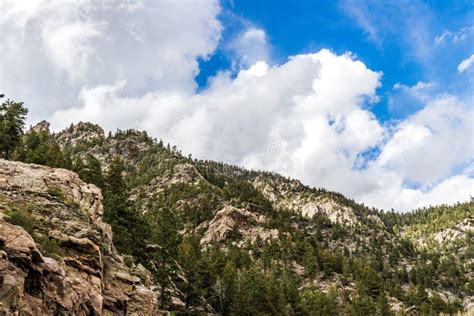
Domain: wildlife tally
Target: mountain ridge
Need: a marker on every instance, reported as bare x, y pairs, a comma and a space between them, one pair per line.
262, 226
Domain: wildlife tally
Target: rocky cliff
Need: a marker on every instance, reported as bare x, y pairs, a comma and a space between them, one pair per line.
56, 253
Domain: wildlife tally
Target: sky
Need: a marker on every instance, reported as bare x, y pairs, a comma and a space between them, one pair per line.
373, 99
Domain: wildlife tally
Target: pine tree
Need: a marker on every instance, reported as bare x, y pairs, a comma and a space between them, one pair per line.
41, 148
12, 122
195, 269
130, 229
91, 171
319, 303
383, 307
164, 223
309, 260
229, 280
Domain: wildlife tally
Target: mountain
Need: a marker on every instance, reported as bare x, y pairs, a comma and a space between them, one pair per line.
199, 236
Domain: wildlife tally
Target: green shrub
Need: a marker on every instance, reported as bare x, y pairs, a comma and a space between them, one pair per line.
21, 218
105, 249
56, 192
128, 260
49, 247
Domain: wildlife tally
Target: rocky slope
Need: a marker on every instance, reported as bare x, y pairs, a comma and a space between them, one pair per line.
246, 228
227, 205
65, 261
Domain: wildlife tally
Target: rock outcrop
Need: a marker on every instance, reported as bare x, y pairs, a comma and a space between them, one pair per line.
291, 196
460, 230
80, 133
62, 261
41, 127
240, 222
89, 139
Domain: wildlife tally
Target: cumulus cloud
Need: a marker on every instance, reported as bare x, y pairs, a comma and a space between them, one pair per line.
306, 119
249, 46
431, 149
427, 146
466, 63
309, 118
63, 46
404, 100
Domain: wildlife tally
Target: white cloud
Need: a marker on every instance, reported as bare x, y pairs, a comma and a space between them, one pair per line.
62, 46
427, 146
466, 63
407, 138
454, 37
249, 47
134, 67
306, 119
451, 190
69, 46
420, 85
404, 100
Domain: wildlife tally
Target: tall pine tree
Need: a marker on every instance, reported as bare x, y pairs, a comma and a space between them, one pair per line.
12, 122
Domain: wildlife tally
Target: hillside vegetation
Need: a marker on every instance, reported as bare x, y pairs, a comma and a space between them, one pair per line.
221, 239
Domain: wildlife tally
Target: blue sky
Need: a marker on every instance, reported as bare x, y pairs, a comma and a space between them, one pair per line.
373, 99
298, 27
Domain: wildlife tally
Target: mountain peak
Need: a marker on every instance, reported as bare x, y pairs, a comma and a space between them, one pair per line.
42, 126
82, 132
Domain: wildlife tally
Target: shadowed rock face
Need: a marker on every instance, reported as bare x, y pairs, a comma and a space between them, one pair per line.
84, 275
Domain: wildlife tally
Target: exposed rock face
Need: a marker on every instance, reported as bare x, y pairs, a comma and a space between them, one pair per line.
335, 213
231, 219
85, 275
185, 173
460, 230
41, 127
180, 173
80, 133
289, 196
89, 139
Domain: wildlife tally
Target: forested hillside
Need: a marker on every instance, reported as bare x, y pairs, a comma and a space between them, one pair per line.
221, 239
